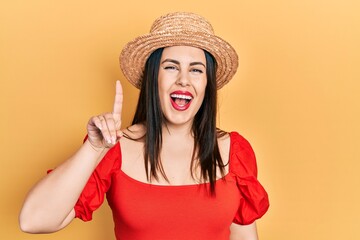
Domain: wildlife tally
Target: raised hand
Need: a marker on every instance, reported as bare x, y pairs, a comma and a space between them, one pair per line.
104, 130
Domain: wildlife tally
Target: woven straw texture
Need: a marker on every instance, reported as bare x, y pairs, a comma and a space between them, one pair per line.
178, 29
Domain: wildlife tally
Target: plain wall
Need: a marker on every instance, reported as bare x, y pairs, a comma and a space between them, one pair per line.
295, 97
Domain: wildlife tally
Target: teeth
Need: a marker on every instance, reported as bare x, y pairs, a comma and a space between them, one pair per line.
181, 96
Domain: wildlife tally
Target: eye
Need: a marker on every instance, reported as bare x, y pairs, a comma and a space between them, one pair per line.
197, 70
171, 68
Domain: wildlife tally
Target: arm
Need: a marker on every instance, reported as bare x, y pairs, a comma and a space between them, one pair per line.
49, 206
243, 232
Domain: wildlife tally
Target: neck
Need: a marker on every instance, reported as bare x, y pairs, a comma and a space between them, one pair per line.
178, 131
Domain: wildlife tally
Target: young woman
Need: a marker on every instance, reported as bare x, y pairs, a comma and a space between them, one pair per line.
172, 174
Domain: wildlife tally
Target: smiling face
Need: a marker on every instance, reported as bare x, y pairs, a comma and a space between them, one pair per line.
182, 81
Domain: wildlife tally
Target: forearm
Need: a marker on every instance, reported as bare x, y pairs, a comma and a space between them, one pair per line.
52, 199
243, 232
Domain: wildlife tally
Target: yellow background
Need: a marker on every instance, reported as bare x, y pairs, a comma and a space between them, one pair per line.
295, 97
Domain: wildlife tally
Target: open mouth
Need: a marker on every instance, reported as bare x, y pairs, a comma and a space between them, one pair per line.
181, 101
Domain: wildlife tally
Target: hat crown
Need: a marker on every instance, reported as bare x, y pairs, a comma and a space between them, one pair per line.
182, 22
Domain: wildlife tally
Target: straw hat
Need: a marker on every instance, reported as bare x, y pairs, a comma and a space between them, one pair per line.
176, 29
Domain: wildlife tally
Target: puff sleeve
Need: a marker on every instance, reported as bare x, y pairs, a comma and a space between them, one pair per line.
254, 200
98, 184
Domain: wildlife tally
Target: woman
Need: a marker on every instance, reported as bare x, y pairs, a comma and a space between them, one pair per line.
172, 174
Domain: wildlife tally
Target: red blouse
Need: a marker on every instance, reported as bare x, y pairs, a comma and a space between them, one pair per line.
147, 212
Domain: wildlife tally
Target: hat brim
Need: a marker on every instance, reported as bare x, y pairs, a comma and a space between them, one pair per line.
135, 54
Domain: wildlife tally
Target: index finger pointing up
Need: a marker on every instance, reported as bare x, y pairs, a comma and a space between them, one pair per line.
118, 101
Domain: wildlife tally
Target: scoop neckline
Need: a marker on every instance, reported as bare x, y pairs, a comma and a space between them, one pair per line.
171, 186
184, 185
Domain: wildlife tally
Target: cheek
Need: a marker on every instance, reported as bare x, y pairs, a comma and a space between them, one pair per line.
164, 81
161, 85
201, 86
162, 95
163, 88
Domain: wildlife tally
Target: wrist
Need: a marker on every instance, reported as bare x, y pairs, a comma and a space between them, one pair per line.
96, 149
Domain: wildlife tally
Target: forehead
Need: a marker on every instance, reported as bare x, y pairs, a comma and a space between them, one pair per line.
184, 54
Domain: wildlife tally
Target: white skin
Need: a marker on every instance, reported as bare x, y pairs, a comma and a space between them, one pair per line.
183, 69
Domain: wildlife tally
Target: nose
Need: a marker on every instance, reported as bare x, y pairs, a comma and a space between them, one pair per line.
183, 79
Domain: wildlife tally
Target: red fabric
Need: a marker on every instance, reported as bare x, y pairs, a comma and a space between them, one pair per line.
145, 211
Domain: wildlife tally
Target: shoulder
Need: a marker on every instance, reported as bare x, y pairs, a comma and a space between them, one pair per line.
236, 136
136, 131
236, 151
133, 138
132, 135
239, 142
229, 140
132, 146
242, 156
224, 145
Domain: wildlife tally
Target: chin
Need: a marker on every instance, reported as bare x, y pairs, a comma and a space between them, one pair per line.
176, 121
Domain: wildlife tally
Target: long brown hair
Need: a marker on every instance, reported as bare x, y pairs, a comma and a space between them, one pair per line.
148, 112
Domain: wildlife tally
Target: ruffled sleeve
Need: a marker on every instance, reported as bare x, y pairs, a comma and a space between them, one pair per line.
98, 184
254, 200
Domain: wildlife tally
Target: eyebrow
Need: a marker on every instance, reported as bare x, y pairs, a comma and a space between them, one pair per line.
178, 63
